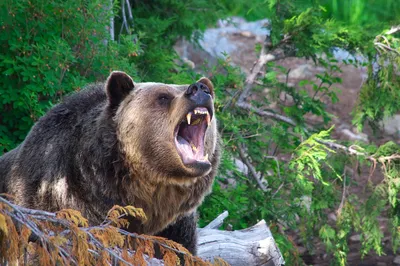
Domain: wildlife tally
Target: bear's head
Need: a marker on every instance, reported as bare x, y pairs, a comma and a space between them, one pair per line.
167, 131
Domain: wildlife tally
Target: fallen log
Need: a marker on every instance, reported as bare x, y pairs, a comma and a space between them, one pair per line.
253, 246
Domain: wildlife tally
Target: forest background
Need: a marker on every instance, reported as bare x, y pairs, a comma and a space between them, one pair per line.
296, 172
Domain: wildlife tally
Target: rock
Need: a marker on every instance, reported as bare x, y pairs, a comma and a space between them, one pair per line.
332, 216
235, 37
240, 166
381, 264
355, 238
247, 34
391, 125
353, 136
341, 54
302, 72
189, 63
286, 98
397, 260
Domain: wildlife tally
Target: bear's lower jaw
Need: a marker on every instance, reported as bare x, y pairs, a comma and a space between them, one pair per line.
199, 168
189, 138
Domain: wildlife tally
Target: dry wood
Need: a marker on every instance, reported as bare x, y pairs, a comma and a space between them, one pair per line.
253, 246
252, 170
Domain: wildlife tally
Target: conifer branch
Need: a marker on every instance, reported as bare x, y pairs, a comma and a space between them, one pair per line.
63, 232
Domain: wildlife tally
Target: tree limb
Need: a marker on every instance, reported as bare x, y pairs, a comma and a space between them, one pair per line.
124, 20
267, 114
217, 222
112, 30
393, 30
251, 79
128, 5
263, 59
251, 168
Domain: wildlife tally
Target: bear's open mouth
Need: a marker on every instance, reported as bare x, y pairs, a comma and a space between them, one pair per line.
189, 136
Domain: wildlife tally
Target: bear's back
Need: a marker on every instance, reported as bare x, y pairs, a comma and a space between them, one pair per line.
48, 153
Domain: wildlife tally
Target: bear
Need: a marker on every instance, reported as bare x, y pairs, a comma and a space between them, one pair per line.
150, 145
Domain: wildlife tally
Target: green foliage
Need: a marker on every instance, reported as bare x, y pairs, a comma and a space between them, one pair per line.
382, 84
50, 49
363, 12
302, 190
159, 24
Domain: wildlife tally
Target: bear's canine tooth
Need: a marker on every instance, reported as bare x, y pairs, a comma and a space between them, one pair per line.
208, 118
194, 147
188, 117
206, 157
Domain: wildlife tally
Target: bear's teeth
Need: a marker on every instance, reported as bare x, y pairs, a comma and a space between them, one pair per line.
189, 117
194, 147
208, 119
206, 157
197, 111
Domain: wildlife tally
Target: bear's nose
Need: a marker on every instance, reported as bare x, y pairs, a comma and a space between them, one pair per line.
199, 94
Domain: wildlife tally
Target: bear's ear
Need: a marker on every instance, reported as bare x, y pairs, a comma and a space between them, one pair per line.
208, 83
118, 86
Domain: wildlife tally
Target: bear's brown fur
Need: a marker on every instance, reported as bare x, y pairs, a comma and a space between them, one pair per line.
122, 143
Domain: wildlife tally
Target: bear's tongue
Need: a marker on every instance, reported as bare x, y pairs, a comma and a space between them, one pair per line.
190, 140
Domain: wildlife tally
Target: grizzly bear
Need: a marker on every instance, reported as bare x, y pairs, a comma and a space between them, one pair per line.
150, 145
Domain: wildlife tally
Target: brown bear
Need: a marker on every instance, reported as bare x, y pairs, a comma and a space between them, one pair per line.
149, 145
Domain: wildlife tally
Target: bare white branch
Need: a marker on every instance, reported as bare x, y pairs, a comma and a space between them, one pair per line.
112, 27
393, 30
217, 222
128, 5
267, 114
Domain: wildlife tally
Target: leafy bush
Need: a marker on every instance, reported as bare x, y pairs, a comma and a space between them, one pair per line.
50, 49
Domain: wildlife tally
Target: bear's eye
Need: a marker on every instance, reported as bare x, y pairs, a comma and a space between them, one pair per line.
164, 99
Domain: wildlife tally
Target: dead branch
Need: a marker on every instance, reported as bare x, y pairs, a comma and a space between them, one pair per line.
251, 168
112, 30
124, 20
128, 5
217, 222
264, 58
352, 150
386, 47
252, 246
268, 114
393, 30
